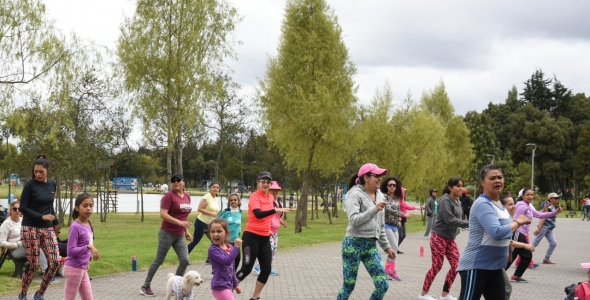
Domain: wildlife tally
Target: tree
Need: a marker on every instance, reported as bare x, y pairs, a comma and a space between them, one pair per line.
170, 53
29, 44
307, 98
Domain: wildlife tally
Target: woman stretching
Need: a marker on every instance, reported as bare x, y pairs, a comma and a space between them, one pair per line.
256, 237
442, 240
366, 226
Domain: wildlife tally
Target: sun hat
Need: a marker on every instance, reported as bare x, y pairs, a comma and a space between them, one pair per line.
275, 186
370, 168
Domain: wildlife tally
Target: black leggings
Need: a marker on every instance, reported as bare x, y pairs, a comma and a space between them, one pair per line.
402, 231
489, 283
255, 246
525, 256
237, 260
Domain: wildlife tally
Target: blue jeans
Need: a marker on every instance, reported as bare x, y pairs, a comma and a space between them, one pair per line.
545, 232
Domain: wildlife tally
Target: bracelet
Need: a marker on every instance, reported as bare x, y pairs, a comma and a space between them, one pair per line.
517, 223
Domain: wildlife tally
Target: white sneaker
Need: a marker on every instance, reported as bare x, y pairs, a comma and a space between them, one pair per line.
425, 297
447, 297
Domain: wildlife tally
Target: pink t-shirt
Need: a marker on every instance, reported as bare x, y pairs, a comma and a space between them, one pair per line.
178, 208
275, 223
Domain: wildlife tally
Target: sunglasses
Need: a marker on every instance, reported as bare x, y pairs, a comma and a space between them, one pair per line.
15, 209
392, 185
264, 181
175, 180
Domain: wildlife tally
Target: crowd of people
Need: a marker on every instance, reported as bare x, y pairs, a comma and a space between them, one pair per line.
376, 210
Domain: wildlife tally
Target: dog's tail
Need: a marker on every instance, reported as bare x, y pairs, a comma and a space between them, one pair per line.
170, 275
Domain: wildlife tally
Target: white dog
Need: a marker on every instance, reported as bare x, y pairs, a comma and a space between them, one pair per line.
182, 287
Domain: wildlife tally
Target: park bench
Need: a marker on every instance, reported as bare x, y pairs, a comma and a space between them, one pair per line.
571, 213
19, 264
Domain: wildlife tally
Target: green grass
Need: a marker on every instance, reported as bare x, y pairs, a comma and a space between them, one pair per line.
124, 235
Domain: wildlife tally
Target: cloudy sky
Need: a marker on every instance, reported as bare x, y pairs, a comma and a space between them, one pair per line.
479, 49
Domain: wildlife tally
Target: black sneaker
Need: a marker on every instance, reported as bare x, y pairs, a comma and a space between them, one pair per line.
146, 291
207, 262
399, 252
518, 279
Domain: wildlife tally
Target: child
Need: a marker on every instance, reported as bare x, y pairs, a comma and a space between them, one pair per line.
233, 215
80, 249
222, 255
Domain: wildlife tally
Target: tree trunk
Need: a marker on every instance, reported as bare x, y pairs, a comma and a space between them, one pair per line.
301, 214
168, 164
314, 199
179, 154
329, 213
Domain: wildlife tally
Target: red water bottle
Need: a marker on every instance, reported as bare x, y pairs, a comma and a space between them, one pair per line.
421, 251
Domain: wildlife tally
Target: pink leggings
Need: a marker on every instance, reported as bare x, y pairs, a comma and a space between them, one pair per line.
223, 294
77, 280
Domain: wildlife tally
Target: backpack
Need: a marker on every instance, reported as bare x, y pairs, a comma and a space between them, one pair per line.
580, 290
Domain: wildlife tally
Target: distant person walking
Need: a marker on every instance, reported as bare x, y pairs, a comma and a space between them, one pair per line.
39, 227
466, 204
174, 210
442, 241
364, 207
431, 210
545, 229
208, 210
392, 196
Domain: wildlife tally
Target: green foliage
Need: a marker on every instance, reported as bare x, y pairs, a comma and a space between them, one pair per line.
307, 97
170, 54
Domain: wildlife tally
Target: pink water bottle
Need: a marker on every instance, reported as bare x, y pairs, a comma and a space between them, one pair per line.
421, 251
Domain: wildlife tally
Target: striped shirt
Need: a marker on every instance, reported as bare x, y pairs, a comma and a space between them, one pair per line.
489, 237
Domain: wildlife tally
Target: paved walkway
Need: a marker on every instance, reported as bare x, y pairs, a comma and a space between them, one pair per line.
316, 273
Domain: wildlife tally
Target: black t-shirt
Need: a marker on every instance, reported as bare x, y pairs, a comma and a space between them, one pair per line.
36, 200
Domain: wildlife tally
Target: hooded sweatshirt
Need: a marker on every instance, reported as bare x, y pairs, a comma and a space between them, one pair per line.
364, 220
448, 219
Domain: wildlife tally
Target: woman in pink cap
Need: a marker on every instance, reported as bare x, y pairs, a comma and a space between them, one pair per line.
366, 227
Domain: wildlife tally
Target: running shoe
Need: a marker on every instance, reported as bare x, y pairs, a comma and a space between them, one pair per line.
534, 266
548, 261
38, 297
518, 279
425, 297
146, 291
447, 297
274, 273
257, 270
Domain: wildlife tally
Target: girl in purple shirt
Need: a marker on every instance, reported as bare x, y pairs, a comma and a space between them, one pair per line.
222, 255
80, 250
524, 207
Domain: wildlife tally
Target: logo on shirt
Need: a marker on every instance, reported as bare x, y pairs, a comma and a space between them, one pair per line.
185, 207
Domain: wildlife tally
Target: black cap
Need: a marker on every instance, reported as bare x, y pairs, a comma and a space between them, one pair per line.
176, 175
433, 190
265, 174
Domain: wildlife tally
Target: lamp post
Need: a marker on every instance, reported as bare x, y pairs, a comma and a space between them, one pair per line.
493, 157
532, 165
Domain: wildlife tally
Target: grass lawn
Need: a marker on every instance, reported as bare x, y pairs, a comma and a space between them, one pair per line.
124, 235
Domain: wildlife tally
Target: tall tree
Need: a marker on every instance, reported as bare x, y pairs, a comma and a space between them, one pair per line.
307, 97
170, 52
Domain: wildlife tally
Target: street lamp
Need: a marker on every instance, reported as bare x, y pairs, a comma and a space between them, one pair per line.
493, 157
532, 165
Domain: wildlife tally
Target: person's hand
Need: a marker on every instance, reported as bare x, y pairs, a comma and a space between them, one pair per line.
184, 224
522, 219
380, 206
399, 224
536, 232
95, 254
188, 236
238, 242
238, 290
559, 209
57, 229
284, 223
282, 209
48, 218
391, 253
407, 215
529, 247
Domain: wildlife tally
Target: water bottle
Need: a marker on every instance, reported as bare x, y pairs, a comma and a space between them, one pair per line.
421, 251
133, 263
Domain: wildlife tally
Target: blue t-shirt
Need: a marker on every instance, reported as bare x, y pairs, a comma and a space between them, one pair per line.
234, 222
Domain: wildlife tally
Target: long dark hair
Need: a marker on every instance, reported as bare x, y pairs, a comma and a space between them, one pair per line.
81, 197
520, 198
352, 181
41, 160
398, 186
484, 171
453, 181
504, 197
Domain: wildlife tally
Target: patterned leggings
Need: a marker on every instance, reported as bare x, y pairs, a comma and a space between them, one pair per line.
440, 248
77, 280
274, 244
34, 239
355, 250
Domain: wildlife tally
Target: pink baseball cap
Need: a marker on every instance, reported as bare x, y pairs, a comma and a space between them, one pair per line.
371, 168
275, 186
585, 265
